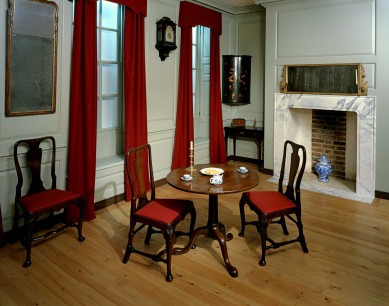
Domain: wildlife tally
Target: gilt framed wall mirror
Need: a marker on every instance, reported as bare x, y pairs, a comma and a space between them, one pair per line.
32, 29
335, 79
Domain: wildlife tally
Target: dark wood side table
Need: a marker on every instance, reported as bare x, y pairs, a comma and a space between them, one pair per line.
251, 133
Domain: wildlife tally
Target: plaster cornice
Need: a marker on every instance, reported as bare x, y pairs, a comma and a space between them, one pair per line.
214, 4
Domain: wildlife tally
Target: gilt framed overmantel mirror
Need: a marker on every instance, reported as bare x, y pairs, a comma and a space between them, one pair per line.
32, 29
333, 79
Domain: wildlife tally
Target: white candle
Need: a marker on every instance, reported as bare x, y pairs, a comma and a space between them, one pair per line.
191, 145
356, 76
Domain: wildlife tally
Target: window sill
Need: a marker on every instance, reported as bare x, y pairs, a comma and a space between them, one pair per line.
108, 162
201, 140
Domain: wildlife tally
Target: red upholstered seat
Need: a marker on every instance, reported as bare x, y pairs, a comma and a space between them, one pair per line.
147, 210
40, 201
269, 201
164, 211
274, 206
47, 200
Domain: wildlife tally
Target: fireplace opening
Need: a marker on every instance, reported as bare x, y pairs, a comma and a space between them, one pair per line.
333, 134
329, 138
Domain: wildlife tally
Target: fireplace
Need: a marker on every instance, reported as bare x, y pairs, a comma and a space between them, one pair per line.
293, 121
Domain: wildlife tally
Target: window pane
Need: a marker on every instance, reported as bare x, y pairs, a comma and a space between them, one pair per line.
109, 79
194, 106
207, 69
108, 45
194, 79
205, 106
194, 57
207, 42
194, 35
110, 14
109, 113
98, 46
98, 82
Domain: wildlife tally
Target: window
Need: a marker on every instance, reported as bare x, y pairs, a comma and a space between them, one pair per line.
109, 67
200, 74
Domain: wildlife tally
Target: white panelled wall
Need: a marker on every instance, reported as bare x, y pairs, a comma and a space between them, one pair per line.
240, 35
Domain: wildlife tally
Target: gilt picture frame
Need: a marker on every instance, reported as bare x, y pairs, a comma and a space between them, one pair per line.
31, 66
332, 79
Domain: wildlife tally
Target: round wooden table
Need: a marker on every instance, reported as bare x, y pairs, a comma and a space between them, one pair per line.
233, 182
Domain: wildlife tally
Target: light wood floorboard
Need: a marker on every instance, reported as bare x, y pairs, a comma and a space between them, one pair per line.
347, 263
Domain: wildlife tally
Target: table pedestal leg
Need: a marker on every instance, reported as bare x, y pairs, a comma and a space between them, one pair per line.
214, 230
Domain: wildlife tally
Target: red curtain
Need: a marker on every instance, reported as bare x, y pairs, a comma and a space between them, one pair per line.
137, 6
83, 108
192, 15
217, 144
135, 116
184, 119
83, 95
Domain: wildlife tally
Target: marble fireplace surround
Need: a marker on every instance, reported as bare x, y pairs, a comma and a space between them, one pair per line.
293, 119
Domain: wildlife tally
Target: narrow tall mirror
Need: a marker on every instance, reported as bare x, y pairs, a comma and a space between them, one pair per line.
31, 57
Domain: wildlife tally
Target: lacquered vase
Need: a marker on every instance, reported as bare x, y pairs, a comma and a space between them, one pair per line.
323, 168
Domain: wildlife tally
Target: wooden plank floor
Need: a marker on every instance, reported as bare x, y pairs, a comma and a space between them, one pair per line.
347, 263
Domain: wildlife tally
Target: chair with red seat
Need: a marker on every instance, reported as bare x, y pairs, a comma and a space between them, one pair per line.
39, 201
270, 205
147, 210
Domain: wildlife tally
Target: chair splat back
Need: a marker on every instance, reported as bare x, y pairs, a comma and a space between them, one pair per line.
140, 169
34, 163
296, 169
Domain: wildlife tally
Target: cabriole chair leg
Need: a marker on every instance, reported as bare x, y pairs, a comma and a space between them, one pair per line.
263, 225
242, 218
28, 223
169, 237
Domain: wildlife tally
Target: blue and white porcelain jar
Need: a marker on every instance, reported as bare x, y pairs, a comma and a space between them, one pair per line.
323, 168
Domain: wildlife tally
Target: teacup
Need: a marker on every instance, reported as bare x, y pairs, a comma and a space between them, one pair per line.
186, 177
242, 169
217, 179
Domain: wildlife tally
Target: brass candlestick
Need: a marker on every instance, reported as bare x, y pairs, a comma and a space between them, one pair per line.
191, 159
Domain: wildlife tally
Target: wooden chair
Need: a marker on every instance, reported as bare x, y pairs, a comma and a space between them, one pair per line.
39, 201
147, 210
269, 205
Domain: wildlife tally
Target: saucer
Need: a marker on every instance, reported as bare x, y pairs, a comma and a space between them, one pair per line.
244, 171
184, 179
